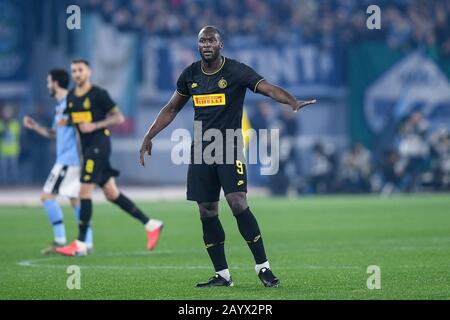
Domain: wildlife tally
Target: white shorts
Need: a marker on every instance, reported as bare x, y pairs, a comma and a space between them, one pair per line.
64, 181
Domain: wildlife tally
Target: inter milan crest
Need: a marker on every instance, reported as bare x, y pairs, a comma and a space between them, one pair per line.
87, 103
222, 83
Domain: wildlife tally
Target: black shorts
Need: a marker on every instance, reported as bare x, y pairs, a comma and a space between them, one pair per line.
205, 180
96, 167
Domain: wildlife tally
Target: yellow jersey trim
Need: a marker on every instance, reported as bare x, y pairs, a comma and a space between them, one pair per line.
256, 85
210, 74
183, 95
82, 95
114, 109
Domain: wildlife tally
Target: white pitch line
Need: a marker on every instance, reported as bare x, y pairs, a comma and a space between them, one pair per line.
32, 263
35, 263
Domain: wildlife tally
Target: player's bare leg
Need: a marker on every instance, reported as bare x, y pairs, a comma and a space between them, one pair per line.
249, 229
153, 227
214, 239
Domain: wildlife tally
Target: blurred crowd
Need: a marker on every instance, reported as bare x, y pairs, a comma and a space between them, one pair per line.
9, 145
405, 24
418, 159
25, 156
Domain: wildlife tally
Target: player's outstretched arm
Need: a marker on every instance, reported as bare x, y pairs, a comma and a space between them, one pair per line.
164, 118
30, 123
282, 96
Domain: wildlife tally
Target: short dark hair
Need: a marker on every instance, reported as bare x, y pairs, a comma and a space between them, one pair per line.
61, 76
213, 28
80, 60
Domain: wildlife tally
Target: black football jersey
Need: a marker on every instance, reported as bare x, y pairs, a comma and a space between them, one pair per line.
218, 97
91, 107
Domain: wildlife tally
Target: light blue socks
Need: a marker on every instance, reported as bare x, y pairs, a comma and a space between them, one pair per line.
56, 218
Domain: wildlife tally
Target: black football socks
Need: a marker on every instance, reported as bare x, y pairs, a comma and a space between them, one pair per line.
249, 229
85, 218
128, 206
214, 238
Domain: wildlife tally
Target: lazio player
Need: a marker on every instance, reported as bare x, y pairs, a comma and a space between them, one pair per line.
91, 110
64, 178
217, 86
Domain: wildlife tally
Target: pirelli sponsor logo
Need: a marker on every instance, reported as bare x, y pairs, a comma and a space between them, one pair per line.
84, 116
209, 100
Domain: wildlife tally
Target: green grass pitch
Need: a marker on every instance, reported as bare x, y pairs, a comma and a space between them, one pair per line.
319, 247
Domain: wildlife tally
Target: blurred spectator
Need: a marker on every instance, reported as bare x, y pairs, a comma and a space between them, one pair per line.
413, 150
289, 170
261, 118
37, 151
323, 169
9, 145
440, 159
356, 169
400, 30
390, 172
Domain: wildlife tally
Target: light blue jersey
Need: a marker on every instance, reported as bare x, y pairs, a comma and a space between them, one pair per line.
66, 141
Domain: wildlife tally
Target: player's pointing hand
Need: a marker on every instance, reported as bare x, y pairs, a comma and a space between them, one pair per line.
145, 148
300, 104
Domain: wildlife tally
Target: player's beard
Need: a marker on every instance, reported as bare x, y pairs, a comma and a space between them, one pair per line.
215, 54
80, 83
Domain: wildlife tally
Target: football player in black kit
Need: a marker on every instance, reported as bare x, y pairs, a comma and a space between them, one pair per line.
91, 110
217, 86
